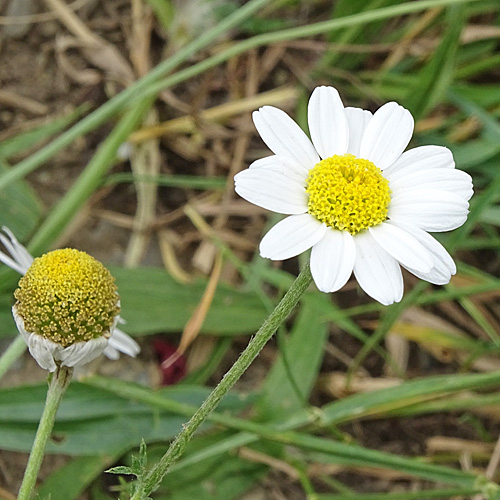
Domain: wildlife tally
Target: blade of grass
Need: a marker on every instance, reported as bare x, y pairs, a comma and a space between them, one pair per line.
350, 34
69, 481
481, 201
20, 209
27, 139
448, 403
289, 382
435, 77
179, 181
414, 495
408, 393
89, 180
151, 84
11, 354
423, 299
294, 34
391, 315
350, 408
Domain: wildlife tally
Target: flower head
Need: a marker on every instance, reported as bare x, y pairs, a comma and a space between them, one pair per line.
354, 196
67, 306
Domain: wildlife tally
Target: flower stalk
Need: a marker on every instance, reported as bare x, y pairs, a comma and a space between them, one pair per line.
153, 479
58, 383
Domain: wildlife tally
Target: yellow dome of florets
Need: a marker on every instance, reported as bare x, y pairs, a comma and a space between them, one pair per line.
348, 193
67, 296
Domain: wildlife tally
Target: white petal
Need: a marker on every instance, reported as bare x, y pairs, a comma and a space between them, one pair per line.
447, 179
11, 262
81, 353
430, 210
444, 266
17, 250
378, 274
292, 236
20, 259
387, 135
287, 166
283, 136
41, 350
402, 246
434, 276
124, 343
421, 158
327, 122
111, 353
358, 120
332, 260
266, 162
271, 190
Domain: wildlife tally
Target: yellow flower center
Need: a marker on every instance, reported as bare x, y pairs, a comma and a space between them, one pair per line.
348, 193
67, 296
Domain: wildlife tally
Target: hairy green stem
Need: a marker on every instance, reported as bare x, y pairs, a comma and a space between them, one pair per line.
59, 381
266, 331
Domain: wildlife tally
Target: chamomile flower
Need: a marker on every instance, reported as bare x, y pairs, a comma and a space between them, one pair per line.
67, 306
354, 197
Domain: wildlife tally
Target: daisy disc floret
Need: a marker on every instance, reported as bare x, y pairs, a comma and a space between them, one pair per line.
355, 197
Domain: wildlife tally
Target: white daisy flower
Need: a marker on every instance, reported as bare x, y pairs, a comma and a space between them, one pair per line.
67, 306
354, 197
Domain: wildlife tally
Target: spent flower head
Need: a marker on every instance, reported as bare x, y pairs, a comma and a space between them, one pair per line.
67, 296
354, 196
67, 306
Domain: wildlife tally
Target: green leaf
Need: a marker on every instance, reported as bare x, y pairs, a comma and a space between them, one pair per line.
70, 481
473, 108
379, 403
152, 301
436, 76
221, 477
7, 325
24, 141
474, 153
139, 463
20, 209
164, 12
482, 94
356, 33
92, 421
122, 469
228, 480
180, 181
408, 393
